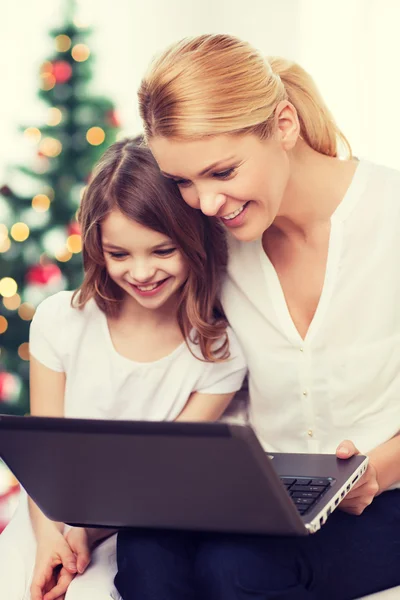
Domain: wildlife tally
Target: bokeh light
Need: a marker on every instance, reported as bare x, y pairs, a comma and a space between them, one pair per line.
50, 147
20, 232
80, 52
47, 81
95, 136
23, 351
40, 203
3, 324
62, 43
13, 302
54, 116
74, 243
63, 255
5, 244
32, 134
26, 311
8, 287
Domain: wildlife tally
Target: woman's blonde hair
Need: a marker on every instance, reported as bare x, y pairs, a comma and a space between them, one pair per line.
214, 84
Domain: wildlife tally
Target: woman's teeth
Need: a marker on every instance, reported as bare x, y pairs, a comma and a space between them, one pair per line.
234, 214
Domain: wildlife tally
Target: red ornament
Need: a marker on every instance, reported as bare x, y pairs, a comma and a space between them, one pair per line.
43, 274
8, 386
74, 228
5, 191
62, 71
112, 118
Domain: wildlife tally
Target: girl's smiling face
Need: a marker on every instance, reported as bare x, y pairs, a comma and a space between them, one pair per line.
144, 263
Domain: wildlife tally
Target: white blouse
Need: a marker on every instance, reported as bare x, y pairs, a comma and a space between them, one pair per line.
343, 380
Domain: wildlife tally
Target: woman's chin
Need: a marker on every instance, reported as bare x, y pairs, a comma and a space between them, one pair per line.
247, 233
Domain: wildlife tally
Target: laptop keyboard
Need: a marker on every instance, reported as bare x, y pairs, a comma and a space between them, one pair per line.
304, 491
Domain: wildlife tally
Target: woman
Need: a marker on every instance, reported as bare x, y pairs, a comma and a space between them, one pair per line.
313, 294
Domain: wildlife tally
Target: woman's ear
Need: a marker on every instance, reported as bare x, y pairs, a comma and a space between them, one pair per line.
287, 125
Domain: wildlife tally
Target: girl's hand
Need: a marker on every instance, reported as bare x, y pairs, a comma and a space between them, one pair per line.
78, 541
366, 488
55, 567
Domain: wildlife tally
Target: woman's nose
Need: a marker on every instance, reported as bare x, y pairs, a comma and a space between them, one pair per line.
210, 203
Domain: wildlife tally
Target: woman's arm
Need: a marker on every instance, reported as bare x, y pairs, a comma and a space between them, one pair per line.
386, 460
204, 407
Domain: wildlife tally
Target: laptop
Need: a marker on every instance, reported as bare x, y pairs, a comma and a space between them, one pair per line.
172, 475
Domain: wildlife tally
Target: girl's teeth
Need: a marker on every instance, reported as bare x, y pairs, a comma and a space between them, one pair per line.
234, 214
147, 288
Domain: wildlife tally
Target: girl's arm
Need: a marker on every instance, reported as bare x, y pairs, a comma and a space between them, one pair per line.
47, 389
204, 407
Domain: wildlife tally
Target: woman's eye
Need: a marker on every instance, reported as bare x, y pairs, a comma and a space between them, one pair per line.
183, 182
224, 174
165, 251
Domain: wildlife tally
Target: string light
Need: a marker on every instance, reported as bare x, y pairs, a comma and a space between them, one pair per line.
62, 43
23, 351
74, 243
26, 311
3, 324
13, 302
8, 287
41, 203
20, 232
95, 136
50, 147
32, 134
54, 116
80, 52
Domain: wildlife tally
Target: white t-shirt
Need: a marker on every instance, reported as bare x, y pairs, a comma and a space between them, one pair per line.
100, 383
343, 380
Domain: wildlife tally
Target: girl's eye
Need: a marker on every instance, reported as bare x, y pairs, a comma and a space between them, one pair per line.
165, 251
224, 174
118, 255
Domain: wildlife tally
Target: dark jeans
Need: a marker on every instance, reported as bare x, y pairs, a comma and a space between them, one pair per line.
351, 556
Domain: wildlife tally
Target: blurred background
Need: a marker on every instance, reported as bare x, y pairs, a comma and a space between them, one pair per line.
70, 71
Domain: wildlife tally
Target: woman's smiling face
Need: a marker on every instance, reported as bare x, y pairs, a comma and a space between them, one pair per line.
237, 178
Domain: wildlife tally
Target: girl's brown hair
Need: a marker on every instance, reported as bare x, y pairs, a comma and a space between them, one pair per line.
214, 84
128, 179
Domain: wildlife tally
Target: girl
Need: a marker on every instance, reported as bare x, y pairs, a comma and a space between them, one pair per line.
313, 294
143, 338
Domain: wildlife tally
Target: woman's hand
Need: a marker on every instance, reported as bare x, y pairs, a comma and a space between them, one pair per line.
55, 568
366, 488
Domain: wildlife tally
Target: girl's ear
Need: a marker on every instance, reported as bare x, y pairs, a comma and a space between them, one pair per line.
287, 125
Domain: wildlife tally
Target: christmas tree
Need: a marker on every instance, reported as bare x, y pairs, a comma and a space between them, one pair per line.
40, 242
